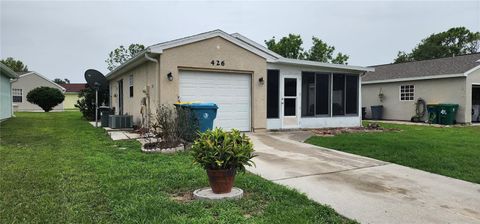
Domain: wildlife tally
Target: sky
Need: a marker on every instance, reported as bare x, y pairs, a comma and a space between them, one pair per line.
62, 39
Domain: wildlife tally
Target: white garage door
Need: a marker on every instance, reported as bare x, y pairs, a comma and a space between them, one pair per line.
230, 91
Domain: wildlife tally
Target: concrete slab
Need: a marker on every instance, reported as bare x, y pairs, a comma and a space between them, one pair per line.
207, 194
118, 135
368, 190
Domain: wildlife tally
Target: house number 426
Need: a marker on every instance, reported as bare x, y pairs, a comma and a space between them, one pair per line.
217, 63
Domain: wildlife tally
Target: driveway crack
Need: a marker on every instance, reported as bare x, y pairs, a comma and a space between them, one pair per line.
332, 172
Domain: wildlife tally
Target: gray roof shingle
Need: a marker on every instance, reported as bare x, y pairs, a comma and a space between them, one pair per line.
440, 66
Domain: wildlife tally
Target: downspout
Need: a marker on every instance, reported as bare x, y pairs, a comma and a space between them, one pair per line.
11, 94
157, 86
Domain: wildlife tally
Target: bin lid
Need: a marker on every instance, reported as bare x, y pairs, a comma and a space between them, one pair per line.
448, 104
204, 105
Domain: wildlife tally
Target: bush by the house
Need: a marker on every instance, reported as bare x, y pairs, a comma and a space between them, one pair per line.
86, 102
45, 97
172, 127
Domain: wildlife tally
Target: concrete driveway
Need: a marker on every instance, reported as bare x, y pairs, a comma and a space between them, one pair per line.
368, 190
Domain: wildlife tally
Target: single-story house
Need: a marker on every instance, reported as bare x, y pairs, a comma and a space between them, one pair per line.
6, 75
255, 88
452, 80
26, 82
71, 94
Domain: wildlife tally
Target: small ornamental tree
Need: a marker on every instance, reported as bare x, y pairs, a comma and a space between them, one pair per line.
45, 97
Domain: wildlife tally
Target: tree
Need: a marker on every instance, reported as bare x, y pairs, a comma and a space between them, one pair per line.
122, 54
15, 65
291, 47
45, 97
86, 102
322, 52
455, 41
61, 81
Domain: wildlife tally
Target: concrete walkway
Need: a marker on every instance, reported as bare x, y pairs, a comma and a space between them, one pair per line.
368, 190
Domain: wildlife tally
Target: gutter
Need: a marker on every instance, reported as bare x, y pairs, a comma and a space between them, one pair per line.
416, 78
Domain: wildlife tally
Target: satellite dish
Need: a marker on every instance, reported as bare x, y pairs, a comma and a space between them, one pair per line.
96, 79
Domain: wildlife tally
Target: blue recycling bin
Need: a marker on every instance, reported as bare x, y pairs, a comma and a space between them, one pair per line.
205, 113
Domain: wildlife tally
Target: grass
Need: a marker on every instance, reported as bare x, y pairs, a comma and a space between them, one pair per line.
449, 151
57, 168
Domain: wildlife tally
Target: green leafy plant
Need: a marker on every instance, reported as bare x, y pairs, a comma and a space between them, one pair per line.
86, 101
45, 97
220, 150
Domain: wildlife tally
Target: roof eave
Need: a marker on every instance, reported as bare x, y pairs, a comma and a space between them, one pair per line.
415, 78
129, 64
8, 71
322, 65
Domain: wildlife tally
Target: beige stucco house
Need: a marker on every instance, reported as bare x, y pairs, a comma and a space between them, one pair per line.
452, 80
27, 81
255, 88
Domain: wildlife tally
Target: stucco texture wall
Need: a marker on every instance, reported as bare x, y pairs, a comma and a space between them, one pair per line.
143, 76
27, 83
451, 90
198, 55
5, 98
70, 101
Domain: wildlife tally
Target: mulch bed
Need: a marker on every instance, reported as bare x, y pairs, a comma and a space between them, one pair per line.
371, 127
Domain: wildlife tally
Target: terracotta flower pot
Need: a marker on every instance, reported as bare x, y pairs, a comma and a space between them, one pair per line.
221, 181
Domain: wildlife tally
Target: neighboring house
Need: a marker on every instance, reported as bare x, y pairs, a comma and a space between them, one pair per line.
27, 81
454, 80
255, 88
6, 75
71, 94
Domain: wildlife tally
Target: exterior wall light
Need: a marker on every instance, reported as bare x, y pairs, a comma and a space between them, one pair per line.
170, 76
261, 80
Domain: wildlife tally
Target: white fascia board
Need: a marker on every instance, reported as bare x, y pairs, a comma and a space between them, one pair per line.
159, 48
416, 78
472, 70
7, 71
43, 77
322, 65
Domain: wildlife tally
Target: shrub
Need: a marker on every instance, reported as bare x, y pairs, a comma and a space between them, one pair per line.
219, 150
172, 126
86, 101
45, 97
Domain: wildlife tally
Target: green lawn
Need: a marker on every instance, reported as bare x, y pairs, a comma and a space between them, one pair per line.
449, 151
57, 168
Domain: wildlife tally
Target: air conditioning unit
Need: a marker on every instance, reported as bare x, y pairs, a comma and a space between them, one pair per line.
120, 121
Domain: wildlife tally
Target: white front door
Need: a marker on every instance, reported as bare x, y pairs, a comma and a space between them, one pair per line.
289, 91
230, 91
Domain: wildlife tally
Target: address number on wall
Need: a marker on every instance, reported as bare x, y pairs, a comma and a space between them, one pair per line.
217, 63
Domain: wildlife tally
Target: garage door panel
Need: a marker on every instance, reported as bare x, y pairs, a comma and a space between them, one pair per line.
231, 92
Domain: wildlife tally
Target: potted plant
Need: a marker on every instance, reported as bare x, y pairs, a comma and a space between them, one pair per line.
222, 154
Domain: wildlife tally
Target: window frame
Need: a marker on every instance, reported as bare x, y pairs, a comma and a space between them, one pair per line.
15, 90
330, 95
130, 86
406, 94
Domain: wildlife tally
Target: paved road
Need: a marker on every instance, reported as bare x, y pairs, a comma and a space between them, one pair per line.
368, 190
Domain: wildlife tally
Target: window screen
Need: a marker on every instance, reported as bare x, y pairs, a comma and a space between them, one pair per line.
407, 92
273, 93
308, 94
338, 94
351, 99
322, 93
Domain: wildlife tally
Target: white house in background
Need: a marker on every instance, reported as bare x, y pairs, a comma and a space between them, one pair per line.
255, 88
6, 75
25, 83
